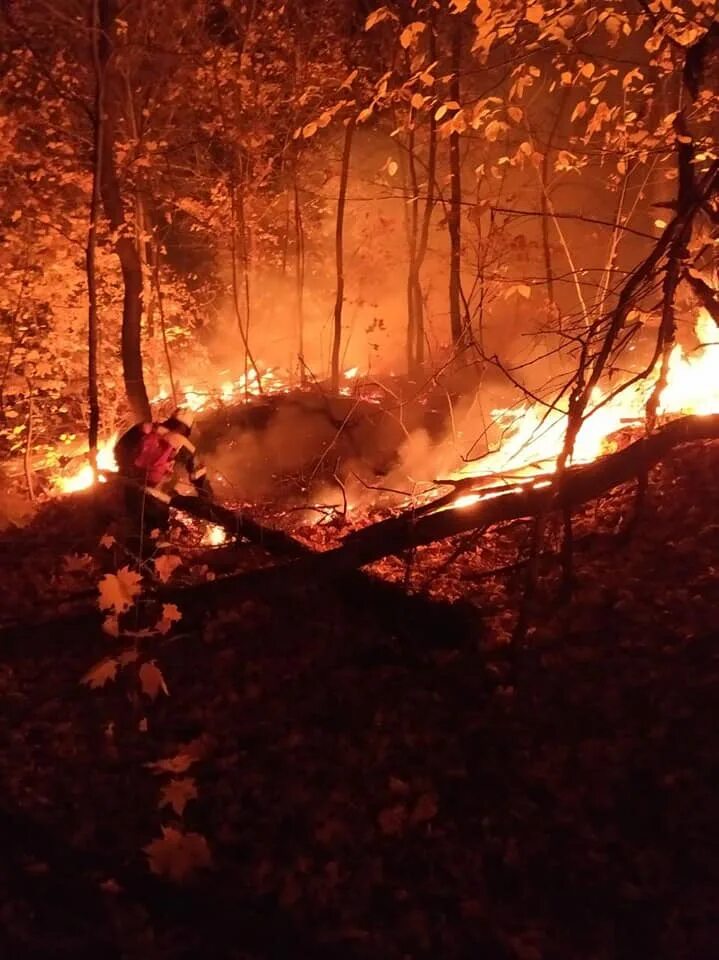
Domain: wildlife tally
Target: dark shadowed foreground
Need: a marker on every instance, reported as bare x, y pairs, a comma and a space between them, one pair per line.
382, 780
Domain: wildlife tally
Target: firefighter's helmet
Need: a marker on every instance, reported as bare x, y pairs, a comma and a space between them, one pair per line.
184, 416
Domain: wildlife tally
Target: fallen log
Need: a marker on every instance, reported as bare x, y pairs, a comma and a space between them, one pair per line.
579, 485
410, 529
240, 525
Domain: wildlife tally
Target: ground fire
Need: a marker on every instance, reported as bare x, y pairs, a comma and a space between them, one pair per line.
359, 435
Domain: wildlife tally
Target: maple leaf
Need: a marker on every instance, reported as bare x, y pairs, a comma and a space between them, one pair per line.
101, 673
177, 794
425, 809
111, 626
107, 541
78, 563
117, 591
166, 565
170, 615
176, 855
152, 680
176, 764
392, 820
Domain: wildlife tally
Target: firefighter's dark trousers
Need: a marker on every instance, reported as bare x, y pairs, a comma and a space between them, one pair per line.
145, 513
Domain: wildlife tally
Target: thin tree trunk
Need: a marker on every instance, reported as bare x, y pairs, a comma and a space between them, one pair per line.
543, 199
427, 213
244, 248
141, 218
414, 295
92, 320
124, 244
339, 252
249, 359
161, 312
286, 233
14, 338
27, 458
455, 203
299, 278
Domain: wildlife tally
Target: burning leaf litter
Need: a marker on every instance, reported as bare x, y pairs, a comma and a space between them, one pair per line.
532, 434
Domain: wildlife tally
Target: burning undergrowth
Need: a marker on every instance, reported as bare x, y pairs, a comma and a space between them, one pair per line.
304, 456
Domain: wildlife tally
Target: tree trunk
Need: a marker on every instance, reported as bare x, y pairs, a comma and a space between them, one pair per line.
339, 252
455, 202
414, 293
157, 284
299, 277
97, 150
426, 214
249, 359
124, 243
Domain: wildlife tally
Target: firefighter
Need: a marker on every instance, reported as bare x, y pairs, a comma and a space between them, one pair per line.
147, 456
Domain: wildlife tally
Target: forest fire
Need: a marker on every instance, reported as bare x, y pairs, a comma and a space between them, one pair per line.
533, 435
391, 632
199, 399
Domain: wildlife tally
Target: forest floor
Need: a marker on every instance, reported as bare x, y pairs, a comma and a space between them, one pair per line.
380, 778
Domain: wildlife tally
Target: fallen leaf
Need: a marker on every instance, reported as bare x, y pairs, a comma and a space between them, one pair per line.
152, 680
392, 820
78, 563
101, 673
177, 855
176, 764
177, 794
398, 787
425, 809
117, 591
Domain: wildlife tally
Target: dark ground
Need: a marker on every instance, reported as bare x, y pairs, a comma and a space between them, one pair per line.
372, 779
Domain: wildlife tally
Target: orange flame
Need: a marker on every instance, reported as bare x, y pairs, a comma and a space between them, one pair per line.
83, 477
534, 434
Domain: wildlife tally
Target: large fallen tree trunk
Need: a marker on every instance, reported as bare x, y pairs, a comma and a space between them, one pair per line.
409, 529
240, 525
580, 484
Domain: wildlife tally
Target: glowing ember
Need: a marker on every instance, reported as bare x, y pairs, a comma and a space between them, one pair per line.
468, 500
351, 373
214, 536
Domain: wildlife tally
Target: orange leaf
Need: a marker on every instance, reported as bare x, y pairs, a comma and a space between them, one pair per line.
166, 565
117, 591
177, 794
152, 680
170, 615
392, 820
101, 673
425, 809
176, 764
177, 855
